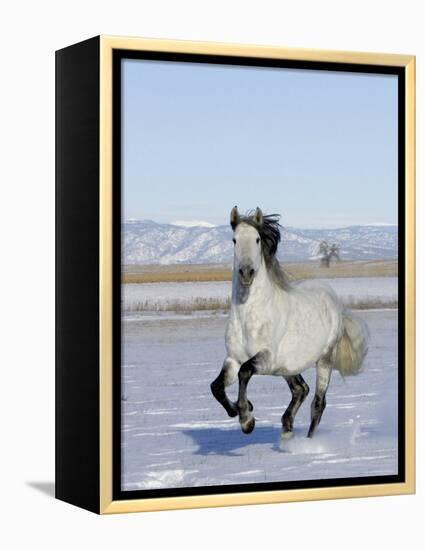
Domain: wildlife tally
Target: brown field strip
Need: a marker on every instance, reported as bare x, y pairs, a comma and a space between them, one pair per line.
220, 272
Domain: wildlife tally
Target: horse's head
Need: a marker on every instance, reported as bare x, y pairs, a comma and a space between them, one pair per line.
247, 241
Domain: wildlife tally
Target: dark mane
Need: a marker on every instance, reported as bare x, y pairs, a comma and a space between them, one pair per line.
269, 231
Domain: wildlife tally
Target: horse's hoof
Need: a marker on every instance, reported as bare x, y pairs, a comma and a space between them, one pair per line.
286, 435
248, 426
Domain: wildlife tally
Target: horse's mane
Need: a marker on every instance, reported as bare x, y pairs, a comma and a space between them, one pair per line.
269, 231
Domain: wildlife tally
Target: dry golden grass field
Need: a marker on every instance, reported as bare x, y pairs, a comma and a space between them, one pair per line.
222, 272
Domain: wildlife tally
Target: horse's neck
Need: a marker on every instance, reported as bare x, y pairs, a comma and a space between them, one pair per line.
261, 289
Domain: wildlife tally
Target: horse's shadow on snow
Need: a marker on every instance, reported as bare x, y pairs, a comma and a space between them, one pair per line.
216, 441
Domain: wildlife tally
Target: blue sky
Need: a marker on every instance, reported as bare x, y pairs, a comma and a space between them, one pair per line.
319, 148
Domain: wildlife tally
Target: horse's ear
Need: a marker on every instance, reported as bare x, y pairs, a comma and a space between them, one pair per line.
258, 217
234, 217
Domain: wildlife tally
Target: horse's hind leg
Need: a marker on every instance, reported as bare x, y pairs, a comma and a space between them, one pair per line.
324, 369
299, 390
228, 375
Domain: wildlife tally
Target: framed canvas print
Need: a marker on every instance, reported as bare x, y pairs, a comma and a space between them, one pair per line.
235, 274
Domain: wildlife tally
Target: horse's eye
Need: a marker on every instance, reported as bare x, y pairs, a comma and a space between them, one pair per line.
258, 240
234, 241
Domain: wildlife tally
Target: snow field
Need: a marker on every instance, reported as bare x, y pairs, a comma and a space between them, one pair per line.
175, 434
363, 293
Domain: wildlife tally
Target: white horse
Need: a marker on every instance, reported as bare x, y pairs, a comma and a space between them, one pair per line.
282, 329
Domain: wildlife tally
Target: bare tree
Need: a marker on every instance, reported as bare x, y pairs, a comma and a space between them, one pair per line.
334, 252
327, 252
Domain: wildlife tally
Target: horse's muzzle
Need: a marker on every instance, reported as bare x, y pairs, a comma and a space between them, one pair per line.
246, 275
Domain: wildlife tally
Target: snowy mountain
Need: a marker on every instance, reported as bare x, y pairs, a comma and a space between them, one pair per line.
148, 242
193, 224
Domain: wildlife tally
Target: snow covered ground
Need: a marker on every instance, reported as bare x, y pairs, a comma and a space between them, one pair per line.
176, 435
170, 296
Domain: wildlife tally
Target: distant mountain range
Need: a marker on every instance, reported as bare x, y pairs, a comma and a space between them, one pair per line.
148, 242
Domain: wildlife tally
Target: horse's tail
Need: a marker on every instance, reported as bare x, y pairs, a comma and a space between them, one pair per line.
353, 345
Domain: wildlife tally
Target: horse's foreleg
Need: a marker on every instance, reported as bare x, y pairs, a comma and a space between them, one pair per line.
256, 365
228, 375
299, 390
324, 369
